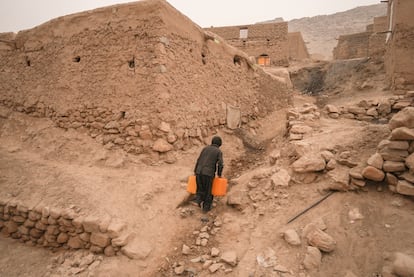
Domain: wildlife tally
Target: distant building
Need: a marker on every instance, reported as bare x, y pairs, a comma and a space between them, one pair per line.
268, 42
370, 43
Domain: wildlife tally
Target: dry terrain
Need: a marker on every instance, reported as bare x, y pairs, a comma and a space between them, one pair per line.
247, 233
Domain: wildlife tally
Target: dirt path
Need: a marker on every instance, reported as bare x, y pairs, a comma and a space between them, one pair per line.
61, 168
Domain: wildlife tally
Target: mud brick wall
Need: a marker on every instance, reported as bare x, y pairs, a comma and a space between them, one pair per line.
400, 45
297, 47
270, 39
376, 45
352, 46
380, 24
61, 228
133, 78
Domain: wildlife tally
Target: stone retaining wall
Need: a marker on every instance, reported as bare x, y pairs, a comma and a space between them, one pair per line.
393, 162
371, 110
116, 128
61, 228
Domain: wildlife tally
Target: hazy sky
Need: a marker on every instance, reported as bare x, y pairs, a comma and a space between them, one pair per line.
18, 15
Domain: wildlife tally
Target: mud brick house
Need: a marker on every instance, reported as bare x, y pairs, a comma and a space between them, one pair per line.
140, 76
365, 44
268, 42
400, 44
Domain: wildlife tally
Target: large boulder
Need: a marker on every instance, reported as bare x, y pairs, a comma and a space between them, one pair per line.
402, 133
403, 265
321, 240
404, 118
373, 173
309, 163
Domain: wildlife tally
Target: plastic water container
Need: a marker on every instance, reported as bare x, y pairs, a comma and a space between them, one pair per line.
219, 186
192, 184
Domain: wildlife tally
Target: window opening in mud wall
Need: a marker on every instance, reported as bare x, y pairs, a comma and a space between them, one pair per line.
203, 58
76, 59
244, 32
263, 60
237, 60
28, 63
131, 63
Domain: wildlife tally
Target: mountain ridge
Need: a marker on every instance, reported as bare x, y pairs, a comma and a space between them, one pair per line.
320, 32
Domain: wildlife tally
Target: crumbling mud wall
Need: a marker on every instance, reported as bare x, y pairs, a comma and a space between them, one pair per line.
400, 45
370, 43
352, 46
139, 76
297, 47
376, 43
269, 39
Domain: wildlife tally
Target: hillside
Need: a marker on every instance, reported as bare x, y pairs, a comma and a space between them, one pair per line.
320, 32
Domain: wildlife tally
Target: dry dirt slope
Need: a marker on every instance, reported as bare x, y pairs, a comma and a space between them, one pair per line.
62, 168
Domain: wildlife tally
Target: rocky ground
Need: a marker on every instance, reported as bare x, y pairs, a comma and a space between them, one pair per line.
362, 231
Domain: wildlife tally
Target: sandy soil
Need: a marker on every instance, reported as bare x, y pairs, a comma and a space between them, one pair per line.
40, 163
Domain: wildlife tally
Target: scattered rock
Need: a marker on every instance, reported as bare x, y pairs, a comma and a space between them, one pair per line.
309, 163
214, 267
291, 237
267, 259
139, 250
313, 258
179, 269
373, 173
355, 214
185, 250
338, 179
280, 178
403, 265
214, 252
229, 257
321, 240
332, 109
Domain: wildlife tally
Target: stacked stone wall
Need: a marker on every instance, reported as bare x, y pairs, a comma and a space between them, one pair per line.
372, 110
61, 228
270, 39
393, 162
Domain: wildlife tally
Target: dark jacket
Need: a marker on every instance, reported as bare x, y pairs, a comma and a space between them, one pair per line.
210, 161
